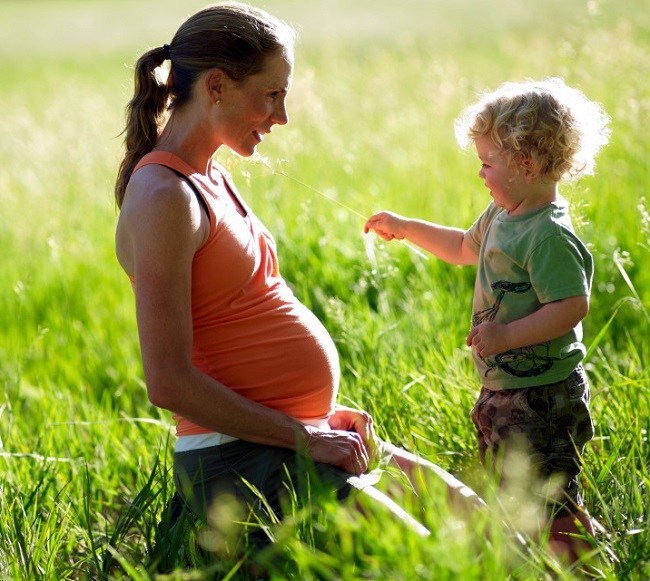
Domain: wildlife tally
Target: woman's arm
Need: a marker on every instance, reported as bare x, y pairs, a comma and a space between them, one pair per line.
446, 243
164, 226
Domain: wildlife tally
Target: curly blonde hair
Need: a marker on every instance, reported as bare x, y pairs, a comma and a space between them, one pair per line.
548, 123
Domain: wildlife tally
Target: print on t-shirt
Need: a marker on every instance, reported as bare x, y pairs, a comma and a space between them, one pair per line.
527, 361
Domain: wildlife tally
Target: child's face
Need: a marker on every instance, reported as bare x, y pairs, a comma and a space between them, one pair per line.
508, 187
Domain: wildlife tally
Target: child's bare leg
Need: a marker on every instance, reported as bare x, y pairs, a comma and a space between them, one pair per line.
569, 534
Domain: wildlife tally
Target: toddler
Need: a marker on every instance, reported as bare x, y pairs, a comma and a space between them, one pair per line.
532, 285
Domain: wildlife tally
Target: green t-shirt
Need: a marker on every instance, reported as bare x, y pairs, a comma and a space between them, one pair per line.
524, 262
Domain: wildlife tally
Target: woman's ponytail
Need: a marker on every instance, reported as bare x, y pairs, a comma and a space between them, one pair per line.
145, 115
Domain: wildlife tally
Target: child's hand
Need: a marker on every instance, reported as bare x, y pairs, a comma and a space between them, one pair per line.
489, 338
387, 225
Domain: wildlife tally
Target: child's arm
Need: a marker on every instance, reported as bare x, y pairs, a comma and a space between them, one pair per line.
448, 244
550, 322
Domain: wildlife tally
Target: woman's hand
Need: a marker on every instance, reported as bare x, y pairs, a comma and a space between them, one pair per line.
341, 448
352, 420
359, 422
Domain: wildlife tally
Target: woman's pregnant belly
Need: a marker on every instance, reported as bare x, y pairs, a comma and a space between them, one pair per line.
282, 358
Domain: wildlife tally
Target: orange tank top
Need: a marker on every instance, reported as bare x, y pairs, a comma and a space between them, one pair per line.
250, 332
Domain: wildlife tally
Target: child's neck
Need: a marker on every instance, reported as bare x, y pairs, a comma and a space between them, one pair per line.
541, 194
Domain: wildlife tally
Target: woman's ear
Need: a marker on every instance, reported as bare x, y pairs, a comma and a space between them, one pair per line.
214, 84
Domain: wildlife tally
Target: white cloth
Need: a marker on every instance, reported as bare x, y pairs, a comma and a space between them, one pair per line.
198, 441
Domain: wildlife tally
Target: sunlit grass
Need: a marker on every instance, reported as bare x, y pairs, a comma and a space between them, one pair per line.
85, 456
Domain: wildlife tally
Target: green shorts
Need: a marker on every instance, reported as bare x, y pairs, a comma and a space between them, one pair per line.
550, 423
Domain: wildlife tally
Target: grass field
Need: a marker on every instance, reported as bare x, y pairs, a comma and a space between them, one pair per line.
85, 457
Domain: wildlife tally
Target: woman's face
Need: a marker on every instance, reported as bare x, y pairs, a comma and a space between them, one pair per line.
250, 108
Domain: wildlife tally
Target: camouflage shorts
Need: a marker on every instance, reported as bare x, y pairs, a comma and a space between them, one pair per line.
549, 423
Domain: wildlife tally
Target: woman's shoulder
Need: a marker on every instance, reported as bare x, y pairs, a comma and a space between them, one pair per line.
157, 188
160, 201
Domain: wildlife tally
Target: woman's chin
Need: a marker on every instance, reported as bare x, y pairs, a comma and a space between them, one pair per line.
244, 151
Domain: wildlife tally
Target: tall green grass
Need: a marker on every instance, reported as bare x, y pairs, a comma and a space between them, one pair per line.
85, 457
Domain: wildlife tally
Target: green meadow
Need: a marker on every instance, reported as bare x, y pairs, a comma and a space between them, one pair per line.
85, 458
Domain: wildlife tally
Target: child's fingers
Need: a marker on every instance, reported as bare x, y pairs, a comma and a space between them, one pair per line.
380, 226
372, 223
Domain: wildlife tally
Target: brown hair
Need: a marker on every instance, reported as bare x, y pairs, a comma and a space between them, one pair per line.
233, 37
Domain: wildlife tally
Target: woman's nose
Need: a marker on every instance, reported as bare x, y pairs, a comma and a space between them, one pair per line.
280, 115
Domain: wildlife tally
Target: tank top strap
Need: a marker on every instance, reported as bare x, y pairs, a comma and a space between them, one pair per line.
168, 159
177, 165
